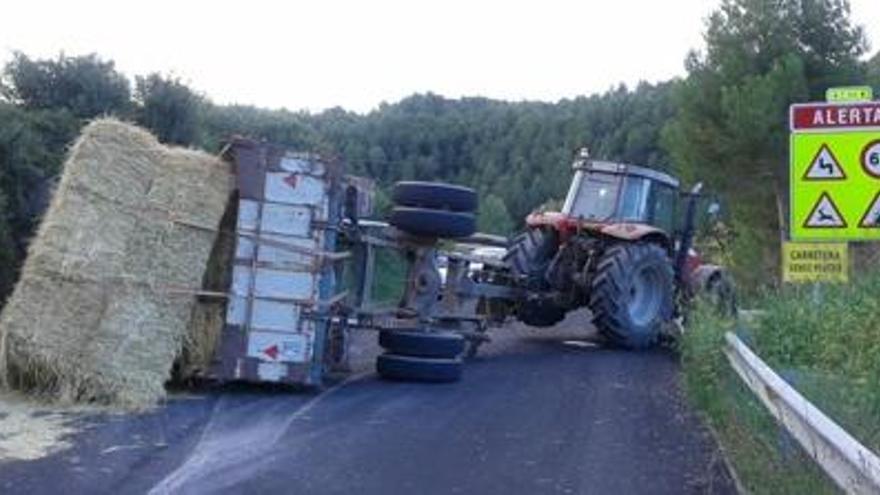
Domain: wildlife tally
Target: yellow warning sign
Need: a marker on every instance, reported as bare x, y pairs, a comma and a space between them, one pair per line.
835, 171
871, 218
825, 215
815, 262
825, 166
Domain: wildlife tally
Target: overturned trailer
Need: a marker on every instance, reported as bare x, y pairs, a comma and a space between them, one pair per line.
303, 267
305, 259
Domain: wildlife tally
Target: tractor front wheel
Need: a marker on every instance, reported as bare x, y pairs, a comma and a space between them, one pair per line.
632, 294
528, 258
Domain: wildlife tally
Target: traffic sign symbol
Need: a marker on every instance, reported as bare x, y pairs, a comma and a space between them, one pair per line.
871, 158
824, 166
291, 180
272, 351
825, 215
871, 218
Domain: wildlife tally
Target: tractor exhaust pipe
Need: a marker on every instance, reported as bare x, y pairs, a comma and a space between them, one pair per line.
687, 233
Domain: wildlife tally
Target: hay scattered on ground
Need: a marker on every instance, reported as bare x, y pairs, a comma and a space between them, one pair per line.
30, 431
107, 293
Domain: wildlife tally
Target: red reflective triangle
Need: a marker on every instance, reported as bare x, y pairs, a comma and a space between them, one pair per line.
291, 180
272, 351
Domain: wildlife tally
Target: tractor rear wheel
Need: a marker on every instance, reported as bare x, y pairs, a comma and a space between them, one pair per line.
528, 258
631, 294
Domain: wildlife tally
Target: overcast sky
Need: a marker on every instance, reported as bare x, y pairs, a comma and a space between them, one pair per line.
355, 54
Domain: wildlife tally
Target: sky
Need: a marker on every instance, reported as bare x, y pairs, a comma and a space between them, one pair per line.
318, 54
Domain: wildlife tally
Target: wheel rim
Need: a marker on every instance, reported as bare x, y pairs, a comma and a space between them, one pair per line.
645, 296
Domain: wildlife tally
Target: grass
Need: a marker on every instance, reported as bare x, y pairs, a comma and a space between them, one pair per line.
390, 277
765, 459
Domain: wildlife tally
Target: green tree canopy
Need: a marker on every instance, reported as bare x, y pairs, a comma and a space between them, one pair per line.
730, 130
493, 216
169, 108
86, 85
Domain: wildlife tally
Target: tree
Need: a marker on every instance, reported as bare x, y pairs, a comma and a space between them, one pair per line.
32, 146
86, 85
493, 216
874, 73
730, 131
169, 108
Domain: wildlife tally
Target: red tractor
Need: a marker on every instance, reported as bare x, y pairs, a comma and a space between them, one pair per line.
621, 246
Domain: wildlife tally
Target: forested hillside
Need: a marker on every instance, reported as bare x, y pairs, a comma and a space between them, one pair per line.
724, 123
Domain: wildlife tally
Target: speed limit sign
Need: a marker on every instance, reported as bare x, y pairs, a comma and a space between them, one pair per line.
871, 158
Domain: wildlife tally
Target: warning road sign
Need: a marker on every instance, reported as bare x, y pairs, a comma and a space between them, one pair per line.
824, 166
835, 171
825, 215
805, 262
871, 218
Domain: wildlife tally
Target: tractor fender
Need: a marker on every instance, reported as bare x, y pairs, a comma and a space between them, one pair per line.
624, 231
632, 232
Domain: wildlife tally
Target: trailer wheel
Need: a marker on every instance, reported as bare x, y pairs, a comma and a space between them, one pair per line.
528, 258
631, 294
409, 368
435, 196
422, 344
433, 223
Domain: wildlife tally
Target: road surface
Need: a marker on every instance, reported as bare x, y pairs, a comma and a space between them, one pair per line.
539, 412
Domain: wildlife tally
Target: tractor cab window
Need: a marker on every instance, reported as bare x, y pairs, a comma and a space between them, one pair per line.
593, 196
634, 201
663, 202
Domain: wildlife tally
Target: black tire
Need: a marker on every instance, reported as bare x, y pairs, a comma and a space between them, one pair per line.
529, 257
409, 368
721, 292
422, 344
434, 195
433, 223
631, 294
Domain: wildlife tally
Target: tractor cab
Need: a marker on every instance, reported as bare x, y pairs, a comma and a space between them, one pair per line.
611, 193
616, 200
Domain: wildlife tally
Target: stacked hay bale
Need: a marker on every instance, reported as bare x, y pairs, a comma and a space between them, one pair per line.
106, 295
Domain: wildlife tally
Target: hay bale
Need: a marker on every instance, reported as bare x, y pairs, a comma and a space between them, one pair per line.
106, 297
209, 314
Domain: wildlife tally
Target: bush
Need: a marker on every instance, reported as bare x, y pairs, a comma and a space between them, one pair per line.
765, 459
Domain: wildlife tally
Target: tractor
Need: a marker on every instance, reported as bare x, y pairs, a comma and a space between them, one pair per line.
621, 246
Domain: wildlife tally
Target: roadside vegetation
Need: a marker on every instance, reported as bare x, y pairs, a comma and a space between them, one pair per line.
824, 340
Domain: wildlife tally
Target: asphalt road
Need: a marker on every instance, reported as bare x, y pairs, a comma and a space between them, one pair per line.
539, 412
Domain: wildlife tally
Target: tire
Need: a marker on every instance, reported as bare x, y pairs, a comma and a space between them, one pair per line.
631, 294
433, 223
435, 196
409, 368
721, 292
422, 344
528, 258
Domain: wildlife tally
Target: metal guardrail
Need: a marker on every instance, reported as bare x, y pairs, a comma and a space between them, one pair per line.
853, 467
